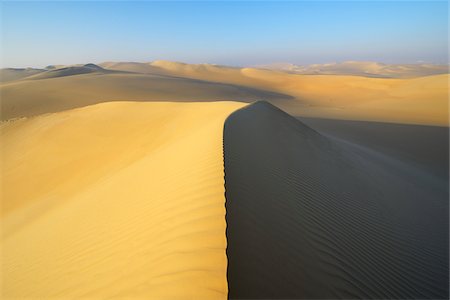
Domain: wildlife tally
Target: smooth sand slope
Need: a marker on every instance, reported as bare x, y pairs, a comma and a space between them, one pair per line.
78, 86
122, 199
309, 217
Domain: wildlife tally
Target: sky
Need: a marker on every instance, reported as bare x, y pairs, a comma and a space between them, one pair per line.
237, 33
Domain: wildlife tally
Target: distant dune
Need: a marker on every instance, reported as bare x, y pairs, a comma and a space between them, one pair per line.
363, 68
418, 100
11, 74
118, 199
421, 100
311, 218
73, 87
71, 71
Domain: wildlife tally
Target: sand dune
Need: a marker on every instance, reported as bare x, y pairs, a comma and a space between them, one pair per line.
127, 199
425, 147
421, 100
71, 71
119, 199
11, 74
136, 67
39, 96
308, 217
363, 68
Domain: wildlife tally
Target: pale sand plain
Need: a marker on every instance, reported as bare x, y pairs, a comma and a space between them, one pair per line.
122, 199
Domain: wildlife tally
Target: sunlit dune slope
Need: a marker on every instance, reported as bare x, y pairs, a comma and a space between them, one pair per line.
421, 100
62, 89
121, 199
311, 218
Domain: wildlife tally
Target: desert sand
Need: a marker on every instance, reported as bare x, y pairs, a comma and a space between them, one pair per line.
311, 218
116, 184
11, 74
78, 86
122, 199
363, 68
421, 100
417, 100
425, 147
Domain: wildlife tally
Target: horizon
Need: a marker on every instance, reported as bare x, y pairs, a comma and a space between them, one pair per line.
98, 63
38, 34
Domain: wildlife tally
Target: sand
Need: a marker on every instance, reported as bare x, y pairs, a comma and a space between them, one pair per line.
425, 147
309, 217
50, 93
363, 68
418, 100
10, 74
121, 199
104, 198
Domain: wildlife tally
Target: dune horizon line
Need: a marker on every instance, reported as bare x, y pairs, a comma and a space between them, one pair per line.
272, 64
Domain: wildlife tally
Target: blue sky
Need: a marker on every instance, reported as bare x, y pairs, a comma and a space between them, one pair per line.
233, 33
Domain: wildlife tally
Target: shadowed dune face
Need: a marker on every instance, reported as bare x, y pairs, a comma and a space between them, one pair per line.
115, 200
310, 218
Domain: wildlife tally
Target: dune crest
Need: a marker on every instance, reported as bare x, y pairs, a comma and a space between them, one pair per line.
119, 199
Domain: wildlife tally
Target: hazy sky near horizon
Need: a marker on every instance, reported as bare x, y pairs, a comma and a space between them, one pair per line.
233, 33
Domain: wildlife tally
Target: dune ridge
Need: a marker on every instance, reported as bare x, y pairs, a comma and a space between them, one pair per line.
308, 217
119, 199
